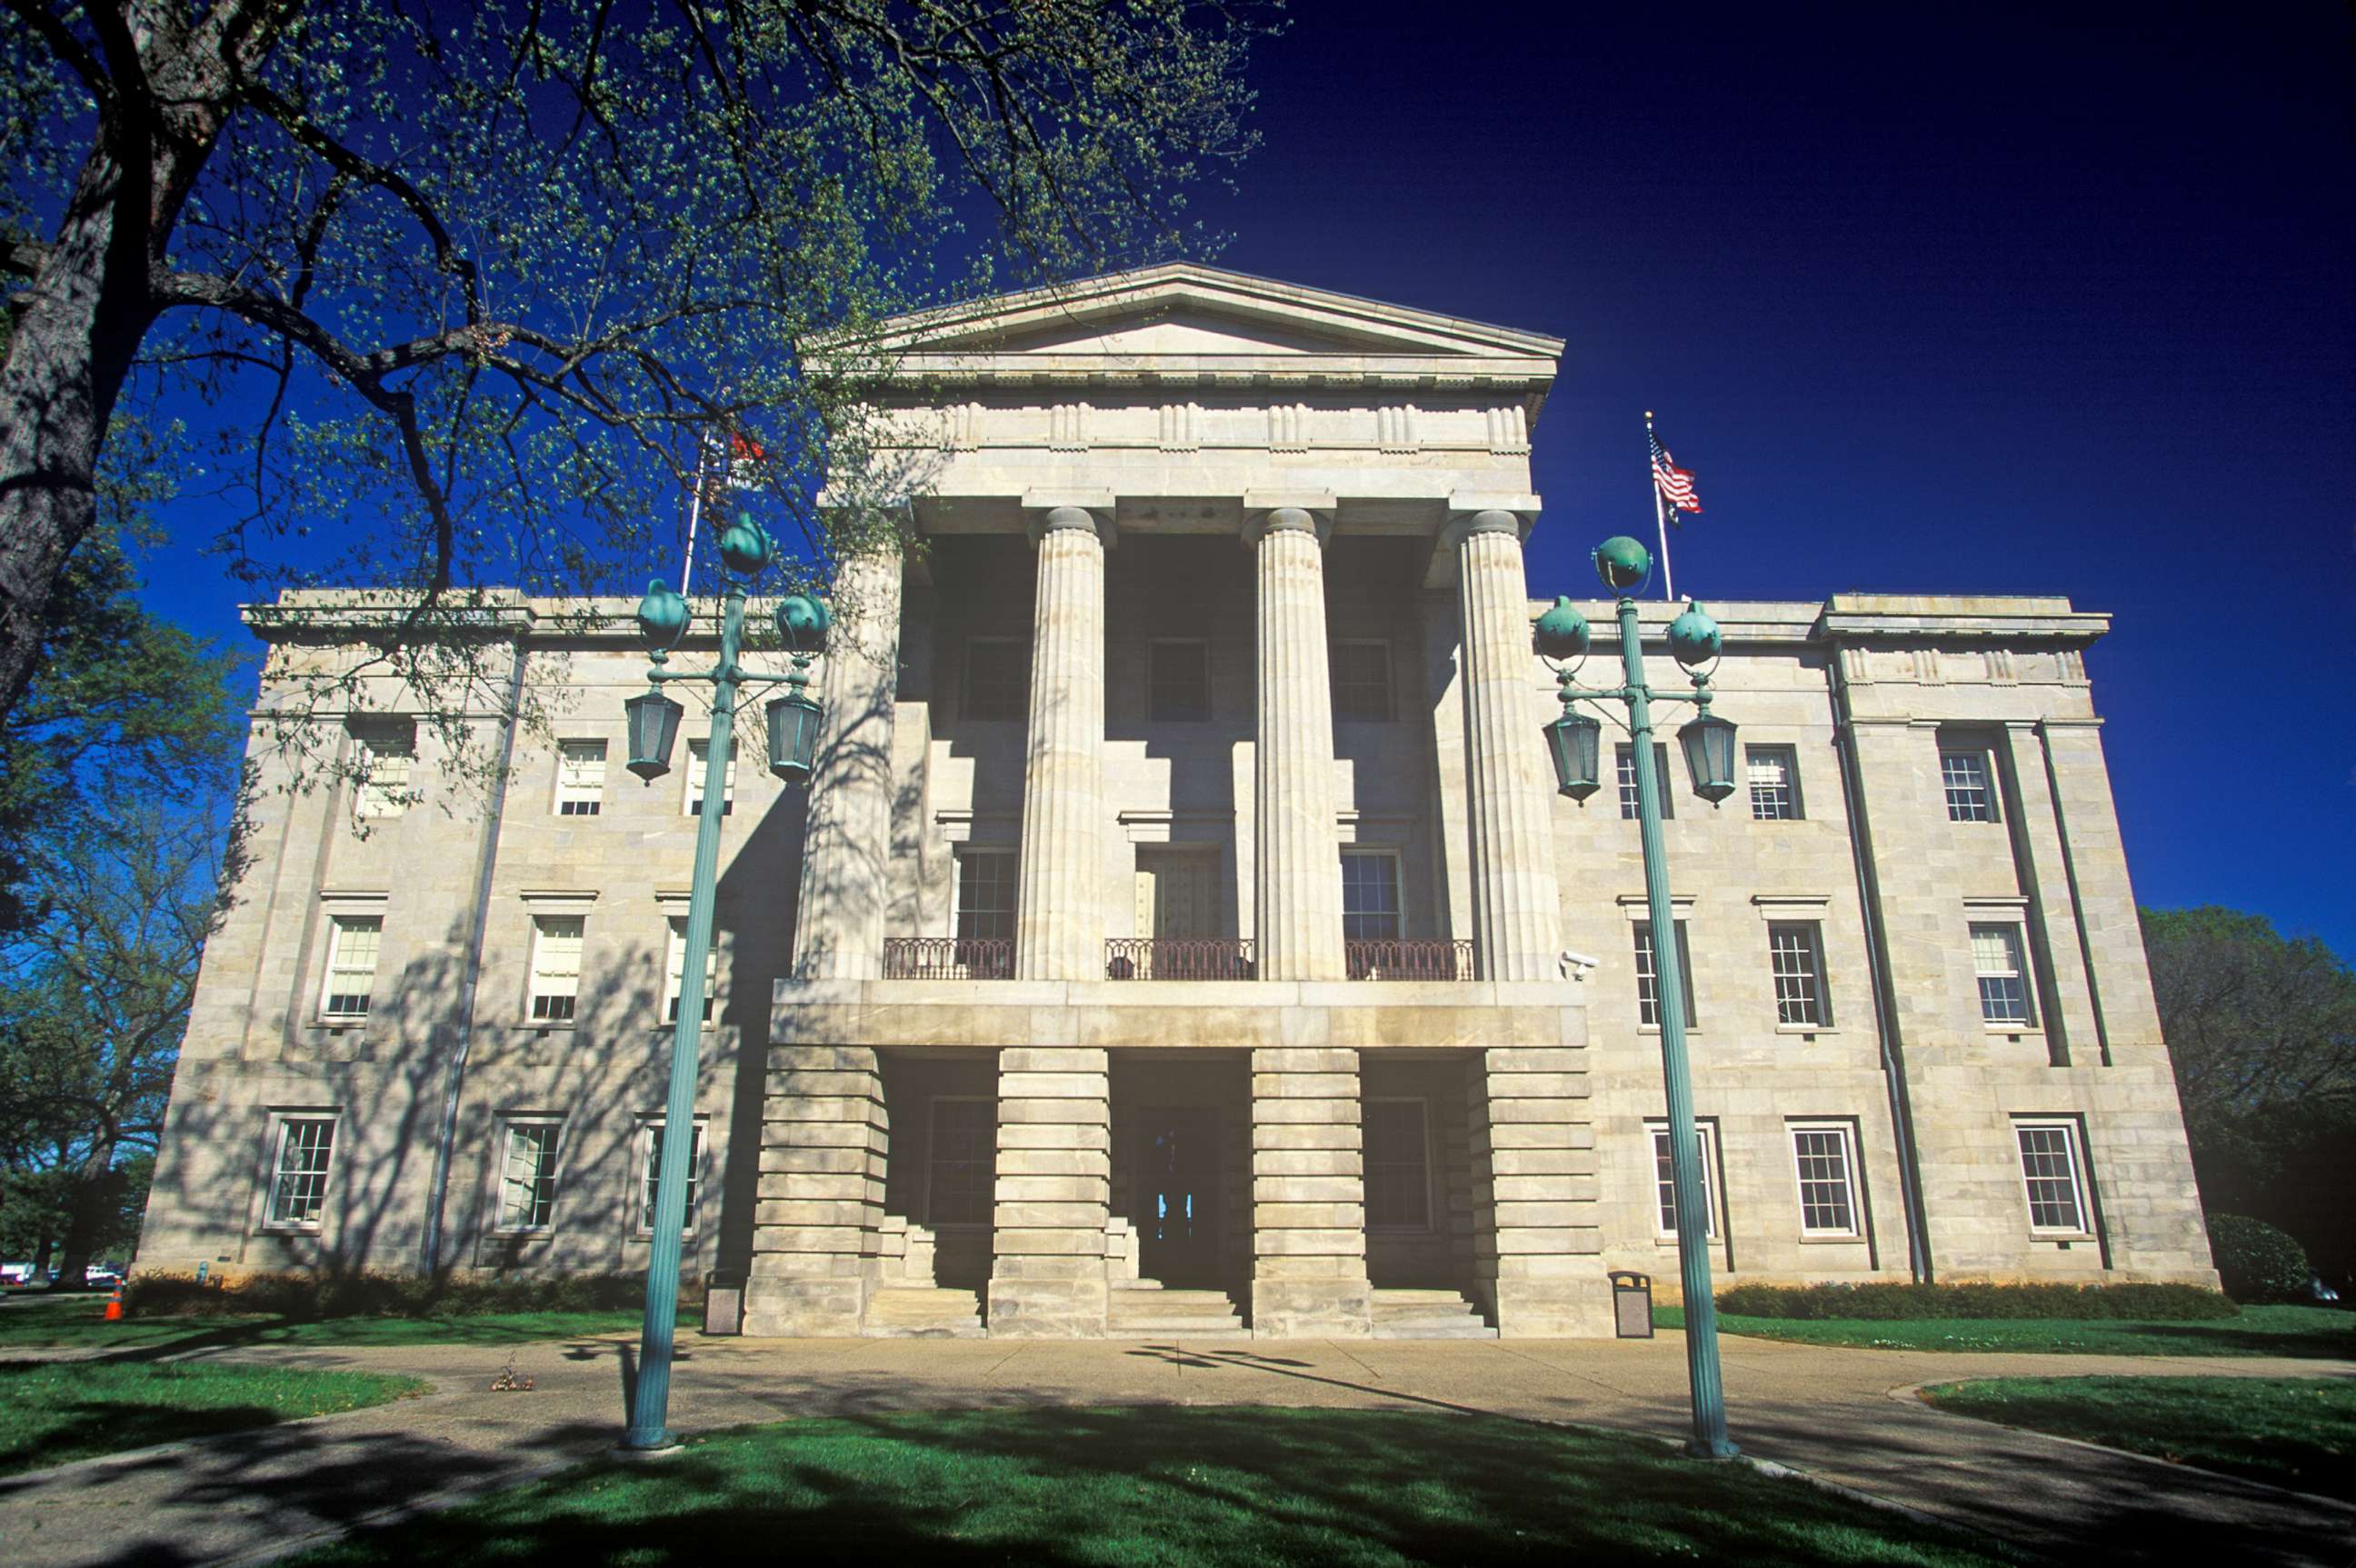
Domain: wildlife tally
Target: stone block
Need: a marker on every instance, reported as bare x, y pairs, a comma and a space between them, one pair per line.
1312, 1309
1035, 1308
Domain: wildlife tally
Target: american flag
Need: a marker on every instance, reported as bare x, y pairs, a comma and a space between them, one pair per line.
1674, 484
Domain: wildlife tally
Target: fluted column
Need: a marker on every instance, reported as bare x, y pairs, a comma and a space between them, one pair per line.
1515, 918
846, 886
1059, 926
1297, 867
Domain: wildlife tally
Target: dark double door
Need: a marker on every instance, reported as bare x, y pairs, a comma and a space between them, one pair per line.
1177, 1184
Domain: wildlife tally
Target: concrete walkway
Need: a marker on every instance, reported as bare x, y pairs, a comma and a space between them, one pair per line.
1829, 1412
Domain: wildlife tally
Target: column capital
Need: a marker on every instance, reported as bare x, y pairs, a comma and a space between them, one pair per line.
1290, 518
1049, 511
1479, 511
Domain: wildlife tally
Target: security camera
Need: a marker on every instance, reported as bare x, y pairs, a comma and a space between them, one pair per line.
1575, 965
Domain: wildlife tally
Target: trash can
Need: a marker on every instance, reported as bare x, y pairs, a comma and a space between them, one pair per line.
1632, 1304
723, 1304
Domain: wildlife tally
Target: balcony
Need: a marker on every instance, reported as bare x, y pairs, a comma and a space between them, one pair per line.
1391, 959
1155, 958
948, 957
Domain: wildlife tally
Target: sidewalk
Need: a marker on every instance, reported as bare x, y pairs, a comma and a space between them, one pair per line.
1826, 1412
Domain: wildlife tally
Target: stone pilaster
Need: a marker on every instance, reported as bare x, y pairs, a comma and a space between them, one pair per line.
823, 1144
1297, 874
1309, 1196
2066, 1008
1054, 1194
846, 886
1535, 1226
1059, 926
1516, 917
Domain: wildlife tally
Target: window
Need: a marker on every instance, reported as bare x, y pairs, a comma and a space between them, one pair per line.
652, 1141
352, 942
1178, 681
1965, 775
387, 758
1774, 783
699, 764
556, 942
1796, 956
985, 895
2052, 1173
963, 1163
996, 678
580, 778
1624, 757
675, 971
298, 1183
1362, 681
2003, 969
1824, 1160
1665, 1185
1370, 895
528, 1175
1398, 1164
1648, 983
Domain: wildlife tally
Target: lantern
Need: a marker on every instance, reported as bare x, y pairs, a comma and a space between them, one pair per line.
653, 727
1708, 743
793, 736
1571, 742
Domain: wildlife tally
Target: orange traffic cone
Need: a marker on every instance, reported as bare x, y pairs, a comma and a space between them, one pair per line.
114, 1305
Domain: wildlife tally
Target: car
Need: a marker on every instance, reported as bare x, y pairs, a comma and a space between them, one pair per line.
101, 1274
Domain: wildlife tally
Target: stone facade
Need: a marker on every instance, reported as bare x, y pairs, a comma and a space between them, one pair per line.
1181, 929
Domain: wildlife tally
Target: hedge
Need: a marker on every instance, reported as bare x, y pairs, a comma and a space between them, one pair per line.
1891, 1301
310, 1297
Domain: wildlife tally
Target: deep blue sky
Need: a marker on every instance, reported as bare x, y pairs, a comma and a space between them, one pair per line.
1957, 299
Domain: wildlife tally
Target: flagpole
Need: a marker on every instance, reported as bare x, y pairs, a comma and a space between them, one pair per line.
1660, 509
695, 512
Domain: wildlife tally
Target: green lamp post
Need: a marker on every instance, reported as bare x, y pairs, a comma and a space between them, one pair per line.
1561, 637
653, 721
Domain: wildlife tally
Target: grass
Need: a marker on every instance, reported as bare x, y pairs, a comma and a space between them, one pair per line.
2290, 1432
55, 1411
1190, 1487
78, 1322
2307, 1332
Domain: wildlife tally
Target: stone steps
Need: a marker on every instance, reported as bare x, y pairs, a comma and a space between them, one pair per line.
1428, 1315
923, 1311
1149, 1311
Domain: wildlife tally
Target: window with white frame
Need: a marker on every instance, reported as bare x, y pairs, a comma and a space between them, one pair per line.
1624, 759
2000, 962
1774, 776
996, 678
528, 1173
1795, 957
1361, 672
352, 945
556, 944
1648, 980
386, 756
1824, 1158
650, 1146
961, 1166
1370, 895
302, 1148
1665, 1187
675, 972
985, 895
580, 778
2052, 1172
1397, 1154
1964, 774
699, 767
1178, 680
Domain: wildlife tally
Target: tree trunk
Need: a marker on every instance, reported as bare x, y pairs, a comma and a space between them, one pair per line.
95, 1195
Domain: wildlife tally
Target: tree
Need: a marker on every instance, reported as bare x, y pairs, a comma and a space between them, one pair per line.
476, 291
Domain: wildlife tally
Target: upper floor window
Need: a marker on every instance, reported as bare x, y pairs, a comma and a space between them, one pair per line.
1178, 680
1795, 955
352, 943
1648, 980
2001, 964
528, 1174
1665, 1187
1964, 774
580, 778
556, 944
962, 1164
2052, 1172
996, 678
298, 1166
985, 895
1774, 776
1397, 1163
1824, 1157
1624, 757
699, 767
1370, 895
386, 754
1362, 681
675, 972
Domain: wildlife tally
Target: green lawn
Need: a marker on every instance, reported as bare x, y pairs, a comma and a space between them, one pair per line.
2291, 1432
54, 1411
78, 1322
2311, 1332
1172, 1487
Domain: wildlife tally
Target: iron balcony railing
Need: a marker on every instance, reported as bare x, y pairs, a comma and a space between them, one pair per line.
948, 957
1391, 959
1160, 958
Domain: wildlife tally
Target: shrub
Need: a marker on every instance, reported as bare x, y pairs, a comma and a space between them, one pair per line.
310, 1297
2255, 1260
1900, 1299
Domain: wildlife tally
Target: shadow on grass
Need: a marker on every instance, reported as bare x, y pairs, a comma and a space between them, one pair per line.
54, 1412
2302, 1333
